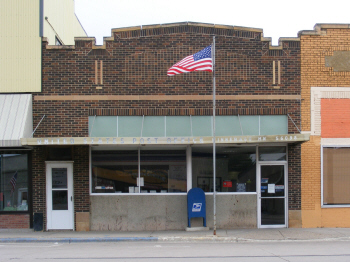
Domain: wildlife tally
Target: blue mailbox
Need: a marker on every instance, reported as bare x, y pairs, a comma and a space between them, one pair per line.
196, 205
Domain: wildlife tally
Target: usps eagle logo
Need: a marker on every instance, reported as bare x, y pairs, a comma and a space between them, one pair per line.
197, 207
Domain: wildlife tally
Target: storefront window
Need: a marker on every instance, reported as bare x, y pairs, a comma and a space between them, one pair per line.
336, 179
114, 171
272, 153
163, 171
14, 182
118, 171
235, 169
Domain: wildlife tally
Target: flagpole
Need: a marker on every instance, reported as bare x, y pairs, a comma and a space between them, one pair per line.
214, 150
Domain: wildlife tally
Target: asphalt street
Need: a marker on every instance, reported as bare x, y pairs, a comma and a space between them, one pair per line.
271, 251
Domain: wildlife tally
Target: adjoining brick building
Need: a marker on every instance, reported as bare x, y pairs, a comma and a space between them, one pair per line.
122, 143
325, 83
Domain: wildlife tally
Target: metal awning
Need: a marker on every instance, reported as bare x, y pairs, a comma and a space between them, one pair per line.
16, 119
287, 138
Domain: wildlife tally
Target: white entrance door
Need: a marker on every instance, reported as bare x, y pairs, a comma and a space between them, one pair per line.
59, 195
272, 194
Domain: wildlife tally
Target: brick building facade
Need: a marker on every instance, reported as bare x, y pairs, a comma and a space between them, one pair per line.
93, 97
325, 90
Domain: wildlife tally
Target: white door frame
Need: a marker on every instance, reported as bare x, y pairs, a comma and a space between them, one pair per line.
272, 163
69, 214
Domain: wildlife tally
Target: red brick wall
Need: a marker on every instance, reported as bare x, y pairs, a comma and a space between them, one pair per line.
14, 221
335, 118
39, 181
294, 177
81, 178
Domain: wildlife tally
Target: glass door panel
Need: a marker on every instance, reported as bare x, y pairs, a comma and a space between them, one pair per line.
272, 211
59, 189
272, 195
60, 200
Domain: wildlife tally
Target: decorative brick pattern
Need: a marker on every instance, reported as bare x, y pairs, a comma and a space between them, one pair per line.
278, 110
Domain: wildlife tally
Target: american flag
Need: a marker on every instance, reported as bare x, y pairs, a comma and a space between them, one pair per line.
13, 182
200, 61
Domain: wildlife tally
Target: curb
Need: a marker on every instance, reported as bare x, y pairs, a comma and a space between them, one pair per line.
76, 240
160, 239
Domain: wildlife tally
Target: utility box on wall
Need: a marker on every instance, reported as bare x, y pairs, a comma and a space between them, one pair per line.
38, 222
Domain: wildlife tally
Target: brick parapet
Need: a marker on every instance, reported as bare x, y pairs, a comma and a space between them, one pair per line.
173, 28
132, 66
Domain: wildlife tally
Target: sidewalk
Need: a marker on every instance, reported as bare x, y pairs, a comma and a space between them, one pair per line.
232, 235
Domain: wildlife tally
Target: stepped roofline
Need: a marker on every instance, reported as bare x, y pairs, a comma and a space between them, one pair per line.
183, 27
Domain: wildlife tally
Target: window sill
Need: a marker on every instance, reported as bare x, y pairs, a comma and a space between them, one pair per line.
169, 194
14, 212
336, 206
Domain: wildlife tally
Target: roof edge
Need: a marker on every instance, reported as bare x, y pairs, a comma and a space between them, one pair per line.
319, 29
169, 25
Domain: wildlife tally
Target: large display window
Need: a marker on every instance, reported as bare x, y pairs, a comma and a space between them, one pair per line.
14, 182
139, 171
165, 171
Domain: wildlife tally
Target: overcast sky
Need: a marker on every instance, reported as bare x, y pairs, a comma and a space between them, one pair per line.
278, 18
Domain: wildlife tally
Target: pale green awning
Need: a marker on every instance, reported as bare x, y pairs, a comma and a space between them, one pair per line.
186, 126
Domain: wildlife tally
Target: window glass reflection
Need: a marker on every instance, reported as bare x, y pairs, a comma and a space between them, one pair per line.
161, 171
14, 182
59, 177
60, 200
114, 171
235, 169
272, 153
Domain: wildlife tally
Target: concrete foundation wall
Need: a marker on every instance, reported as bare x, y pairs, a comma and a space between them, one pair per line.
154, 213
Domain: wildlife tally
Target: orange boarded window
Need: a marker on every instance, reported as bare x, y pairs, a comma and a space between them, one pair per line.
335, 118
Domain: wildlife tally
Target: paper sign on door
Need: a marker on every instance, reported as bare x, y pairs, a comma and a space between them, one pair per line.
271, 189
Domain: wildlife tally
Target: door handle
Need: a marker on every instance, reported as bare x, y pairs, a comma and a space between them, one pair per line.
71, 198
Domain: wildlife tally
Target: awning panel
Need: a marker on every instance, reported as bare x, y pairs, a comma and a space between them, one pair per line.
188, 126
15, 119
